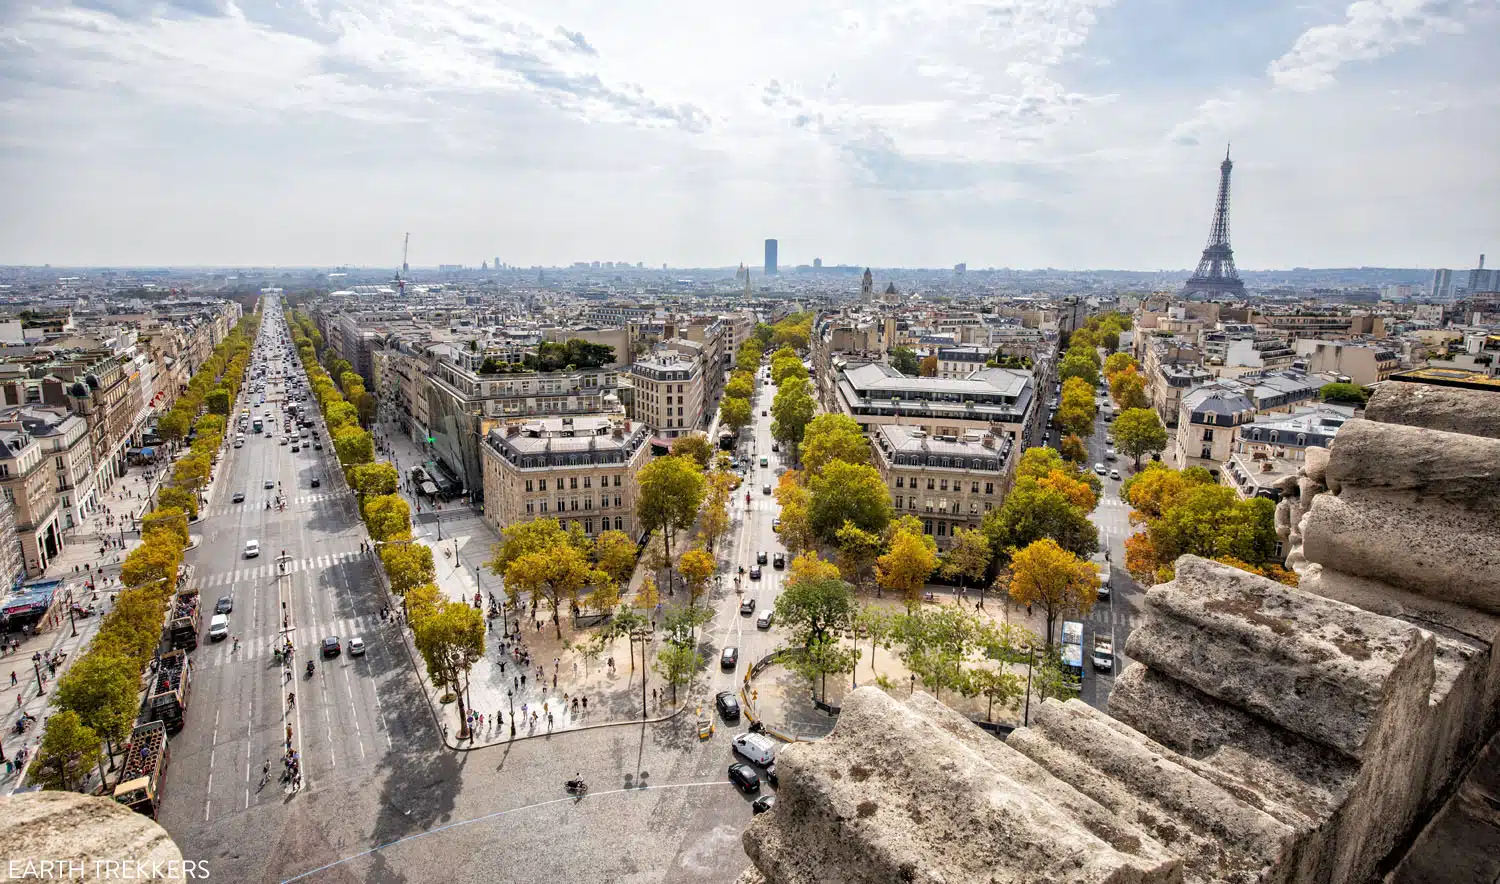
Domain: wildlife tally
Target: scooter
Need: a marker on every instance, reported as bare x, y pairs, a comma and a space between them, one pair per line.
309, 669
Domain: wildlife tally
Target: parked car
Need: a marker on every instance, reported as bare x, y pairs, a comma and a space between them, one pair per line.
757, 748
729, 658
728, 706
744, 777
762, 804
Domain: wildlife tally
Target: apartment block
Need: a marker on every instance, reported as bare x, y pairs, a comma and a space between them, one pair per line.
27, 482
1273, 447
575, 469
667, 393
1364, 364
64, 438
997, 400
947, 481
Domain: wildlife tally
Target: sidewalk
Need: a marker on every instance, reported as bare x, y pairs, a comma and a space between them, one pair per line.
557, 673
94, 552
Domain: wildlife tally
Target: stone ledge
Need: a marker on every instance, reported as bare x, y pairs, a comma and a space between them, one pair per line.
1311, 665
1439, 469
1472, 412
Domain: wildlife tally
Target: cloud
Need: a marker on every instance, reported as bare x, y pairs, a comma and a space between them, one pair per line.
577, 40
1371, 29
1216, 116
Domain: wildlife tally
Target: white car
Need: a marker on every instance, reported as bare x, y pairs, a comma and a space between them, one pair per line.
252, 548
1099, 468
356, 646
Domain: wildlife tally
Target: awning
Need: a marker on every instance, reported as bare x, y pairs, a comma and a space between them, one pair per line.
429, 488
148, 452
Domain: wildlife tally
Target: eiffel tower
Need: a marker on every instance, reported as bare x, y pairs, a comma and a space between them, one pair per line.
1216, 276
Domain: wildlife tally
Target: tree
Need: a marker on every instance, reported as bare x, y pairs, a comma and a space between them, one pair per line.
1047, 575
450, 639
1139, 431
353, 446
824, 657
614, 554
815, 608
935, 642
740, 386
1129, 390
735, 413
969, 556
154, 562
670, 493
831, 437
1032, 512
1344, 394
906, 567
792, 410
847, 492
676, 662
173, 425
928, 367
407, 565
876, 624
694, 446
1118, 362
605, 596
536, 536
697, 567
747, 358
387, 517
374, 479
1073, 449
101, 688
784, 368
793, 331
995, 685
555, 576
169, 520
647, 596
858, 550
68, 748
1075, 365
810, 566
172, 497
904, 360
218, 401
714, 521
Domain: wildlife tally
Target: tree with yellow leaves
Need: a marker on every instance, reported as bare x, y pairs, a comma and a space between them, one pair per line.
907, 566
697, 566
1047, 575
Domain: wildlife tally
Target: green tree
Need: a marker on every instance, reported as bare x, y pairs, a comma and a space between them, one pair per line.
353, 446
735, 413
450, 639
904, 360
1075, 365
968, 558
824, 657
670, 491
995, 685
816, 609
676, 662
740, 386
1073, 449
387, 517
695, 446
845, 492
1118, 362
218, 401
875, 624
374, 479
68, 748
101, 688
407, 565
522, 538
173, 425
556, 576
172, 497
170, 520
1128, 389
154, 562
934, 644
907, 566
1046, 575
786, 367
831, 437
1138, 431
792, 410
1344, 394
1032, 512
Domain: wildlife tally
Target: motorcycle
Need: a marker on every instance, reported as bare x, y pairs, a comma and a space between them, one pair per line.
309, 669
576, 787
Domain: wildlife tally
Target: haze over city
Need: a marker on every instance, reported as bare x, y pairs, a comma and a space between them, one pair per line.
1071, 133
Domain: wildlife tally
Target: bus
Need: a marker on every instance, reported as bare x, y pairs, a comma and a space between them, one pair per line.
257, 425
1072, 651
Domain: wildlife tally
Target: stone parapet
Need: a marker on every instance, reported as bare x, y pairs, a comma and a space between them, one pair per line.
1264, 733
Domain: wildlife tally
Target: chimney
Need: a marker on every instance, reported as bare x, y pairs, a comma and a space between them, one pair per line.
989, 440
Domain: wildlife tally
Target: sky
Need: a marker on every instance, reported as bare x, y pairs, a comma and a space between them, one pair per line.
921, 133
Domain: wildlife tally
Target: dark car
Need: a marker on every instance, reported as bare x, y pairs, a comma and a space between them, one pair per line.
744, 777
762, 804
224, 605
317, 446
771, 774
760, 557
779, 561
729, 707
729, 658
331, 646
747, 606
239, 497
316, 482
754, 572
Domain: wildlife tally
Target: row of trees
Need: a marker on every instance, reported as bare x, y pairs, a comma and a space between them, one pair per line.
98, 699
947, 648
448, 633
1187, 512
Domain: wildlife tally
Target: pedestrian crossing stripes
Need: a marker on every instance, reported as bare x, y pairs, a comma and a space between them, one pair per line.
305, 640
300, 500
1103, 617
267, 570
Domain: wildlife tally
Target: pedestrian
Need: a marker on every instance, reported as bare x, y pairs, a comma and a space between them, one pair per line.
502, 668
18, 701
585, 702
12, 678
554, 681
523, 681
515, 682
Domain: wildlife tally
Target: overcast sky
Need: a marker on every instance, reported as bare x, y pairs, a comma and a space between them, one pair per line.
1022, 133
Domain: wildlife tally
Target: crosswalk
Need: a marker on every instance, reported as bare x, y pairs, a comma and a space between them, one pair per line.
1102, 616
252, 502
305, 638
268, 569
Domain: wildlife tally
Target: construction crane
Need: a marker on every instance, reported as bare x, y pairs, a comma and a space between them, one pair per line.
401, 274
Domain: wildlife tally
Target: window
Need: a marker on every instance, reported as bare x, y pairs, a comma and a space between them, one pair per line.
573, 482
1255, 435
927, 505
1207, 454
931, 484
974, 487
541, 484
588, 526
942, 529
973, 508
544, 507
944, 485
1273, 437
989, 488
528, 485
988, 506
911, 503
530, 507
588, 503
898, 501
1208, 435
927, 527
617, 480
619, 524
1301, 438
587, 481
900, 482
617, 501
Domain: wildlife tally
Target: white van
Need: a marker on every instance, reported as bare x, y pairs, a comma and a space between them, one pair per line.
218, 627
252, 548
756, 748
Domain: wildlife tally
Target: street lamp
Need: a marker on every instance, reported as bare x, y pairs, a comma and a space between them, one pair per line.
72, 622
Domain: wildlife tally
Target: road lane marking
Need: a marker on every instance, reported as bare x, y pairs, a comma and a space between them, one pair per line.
496, 815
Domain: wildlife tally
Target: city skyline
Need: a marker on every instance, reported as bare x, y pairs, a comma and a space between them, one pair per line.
1073, 134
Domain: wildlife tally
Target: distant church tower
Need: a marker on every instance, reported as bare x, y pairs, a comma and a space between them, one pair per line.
748, 293
867, 285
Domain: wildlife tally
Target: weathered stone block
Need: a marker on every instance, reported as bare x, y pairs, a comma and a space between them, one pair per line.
1314, 666
1419, 465
1474, 412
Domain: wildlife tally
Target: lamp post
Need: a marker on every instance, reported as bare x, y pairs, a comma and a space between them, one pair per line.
72, 622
